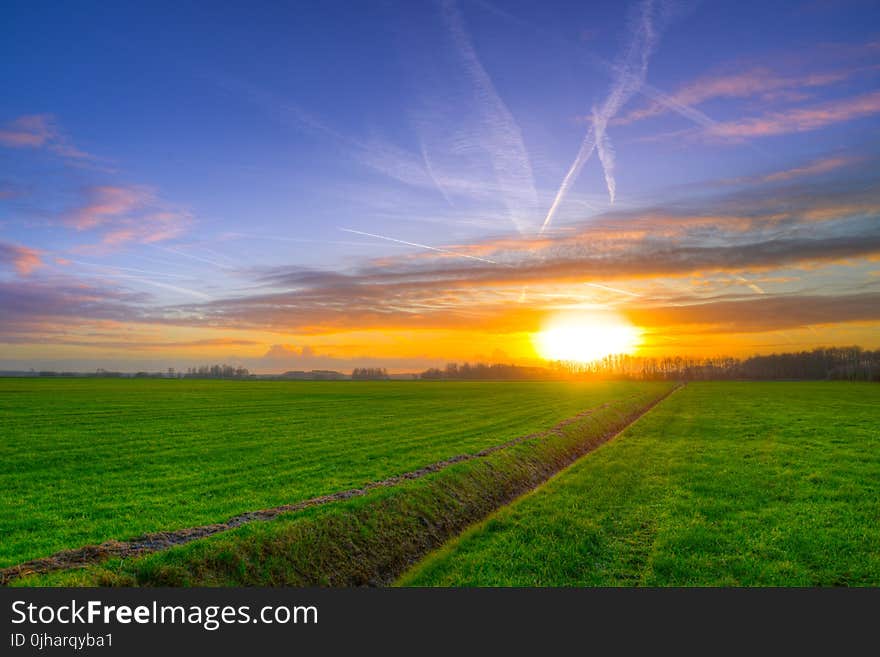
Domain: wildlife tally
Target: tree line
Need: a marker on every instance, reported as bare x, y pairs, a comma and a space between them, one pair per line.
832, 363
369, 374
217, 372
478, 371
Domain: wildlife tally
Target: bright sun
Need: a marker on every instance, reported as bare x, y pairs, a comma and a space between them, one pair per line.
586, 337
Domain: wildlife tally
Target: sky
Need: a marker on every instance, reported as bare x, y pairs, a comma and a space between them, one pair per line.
325, 185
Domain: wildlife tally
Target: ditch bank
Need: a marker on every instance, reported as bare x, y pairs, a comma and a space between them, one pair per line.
361, 536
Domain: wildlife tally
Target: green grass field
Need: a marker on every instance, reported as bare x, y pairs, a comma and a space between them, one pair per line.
768, 484
87, 460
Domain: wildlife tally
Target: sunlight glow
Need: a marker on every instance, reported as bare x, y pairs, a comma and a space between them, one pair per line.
586, 337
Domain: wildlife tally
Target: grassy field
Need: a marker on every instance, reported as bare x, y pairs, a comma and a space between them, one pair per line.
87, 460
721, 484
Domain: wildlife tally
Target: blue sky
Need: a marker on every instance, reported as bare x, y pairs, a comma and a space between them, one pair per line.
237, 180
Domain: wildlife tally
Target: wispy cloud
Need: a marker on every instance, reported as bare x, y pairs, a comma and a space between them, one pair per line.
726, 241
801, 119
31, 131
39, 131
443, 293
760, 82
815, 168
107, 204
762, 313
22, 258
126, 214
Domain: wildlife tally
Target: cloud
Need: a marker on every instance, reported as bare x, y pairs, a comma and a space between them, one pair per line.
27, 302
33, 131
471, 297
774, 229
760, 314
802, 119
815, 168
812, 169
22, 258
796, 226
127, 214
106, 204
39, 131
758, 81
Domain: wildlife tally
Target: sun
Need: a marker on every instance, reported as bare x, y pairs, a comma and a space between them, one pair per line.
584, 338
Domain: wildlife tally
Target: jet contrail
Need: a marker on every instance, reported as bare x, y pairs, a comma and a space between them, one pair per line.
504, 143
420, 246
167, 286
430, 170
752, 286
586, 150
117, 267
190, 256
606, 153
612, 289
629, 71
298, 240
646, 89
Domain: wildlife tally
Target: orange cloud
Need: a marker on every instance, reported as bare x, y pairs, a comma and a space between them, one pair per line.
759, 314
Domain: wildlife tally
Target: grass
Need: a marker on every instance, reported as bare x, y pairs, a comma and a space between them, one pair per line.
730, 484
87, 460
370, 539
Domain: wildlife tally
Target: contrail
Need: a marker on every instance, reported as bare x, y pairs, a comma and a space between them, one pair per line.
191, 256
299, 240
420, 246
220, 255
167, 286
670, 103
629, 71
752, 286
587, 147
430, 170
613, 289
117, 267
381, 156
646, 89
606, 153
507, 151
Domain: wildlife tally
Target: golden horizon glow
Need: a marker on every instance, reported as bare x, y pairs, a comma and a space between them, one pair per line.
586, 337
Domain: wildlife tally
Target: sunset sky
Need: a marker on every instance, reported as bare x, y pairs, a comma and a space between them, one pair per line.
401, 184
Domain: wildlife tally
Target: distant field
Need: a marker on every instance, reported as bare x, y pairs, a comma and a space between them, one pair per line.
721, 484
87, 460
